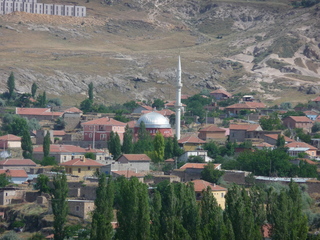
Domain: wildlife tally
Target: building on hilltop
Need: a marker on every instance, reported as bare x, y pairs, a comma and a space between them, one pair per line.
32, 6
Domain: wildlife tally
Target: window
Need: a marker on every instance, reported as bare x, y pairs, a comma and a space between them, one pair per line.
222, 195
89, 168
90, 135
77, 208
79, 170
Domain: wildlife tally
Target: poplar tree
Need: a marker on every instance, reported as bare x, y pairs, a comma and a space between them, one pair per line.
177, 151
26, 144
101, 227
168, 148
127, 146
11, 85
155, 215
59, 204
90, 91
34, 88
46, 145
158, 146
114, 145
144, 143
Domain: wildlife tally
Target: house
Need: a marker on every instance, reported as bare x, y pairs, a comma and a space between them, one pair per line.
100, 129
237, 108
141, 108
264, 145
190, 171
128, 174
316, 100
312, 115
38, 113
202, 153
190, 143
294, 148
63, 153
243, 132
10, 141
82, 167
81, 208
164, 112
8, 195
138, 162
172, 104
217, 191
220, 94
24, 164
17, 176
212, 132
298, 122
272, 139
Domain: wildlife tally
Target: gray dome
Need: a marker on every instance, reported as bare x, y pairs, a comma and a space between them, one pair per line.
154, 120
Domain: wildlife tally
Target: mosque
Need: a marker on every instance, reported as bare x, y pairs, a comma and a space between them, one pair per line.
154, 122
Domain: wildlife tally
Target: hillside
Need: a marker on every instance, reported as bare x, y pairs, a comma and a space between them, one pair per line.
129, 49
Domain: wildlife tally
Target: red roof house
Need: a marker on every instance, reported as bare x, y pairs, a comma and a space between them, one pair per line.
220, 94
38, 113
10, 141
298, 122
212, 132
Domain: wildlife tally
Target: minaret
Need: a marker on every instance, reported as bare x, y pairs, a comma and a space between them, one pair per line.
178, 105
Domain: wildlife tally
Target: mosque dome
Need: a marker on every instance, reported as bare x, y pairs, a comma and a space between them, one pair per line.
154, 120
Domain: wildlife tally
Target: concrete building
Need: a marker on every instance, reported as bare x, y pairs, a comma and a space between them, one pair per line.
25, 164
32, 6
81, 208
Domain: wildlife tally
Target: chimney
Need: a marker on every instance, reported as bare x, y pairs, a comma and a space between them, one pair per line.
89, 148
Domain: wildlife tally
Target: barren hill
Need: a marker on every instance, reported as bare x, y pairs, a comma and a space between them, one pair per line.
129, 49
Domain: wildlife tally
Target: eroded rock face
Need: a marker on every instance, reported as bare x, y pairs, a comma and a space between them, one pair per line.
313, 90
312, 52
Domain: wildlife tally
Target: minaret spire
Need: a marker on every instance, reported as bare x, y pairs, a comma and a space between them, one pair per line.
178, 105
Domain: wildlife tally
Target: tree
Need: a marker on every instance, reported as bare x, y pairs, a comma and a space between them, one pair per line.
4, 180
34, 88
42, 100
90, 91
168, 148
280, 141
11, 85
37, 236
26, 145
271, 122
127, 146
144, 143
177, 151
59, 124
196, 159
158, 104
316, 127
86, 105
212, 148
210, 174
114, 145
46, 145
59, 204
42, 184
101, 227
90, 155
14, 124
10, 236
158, 145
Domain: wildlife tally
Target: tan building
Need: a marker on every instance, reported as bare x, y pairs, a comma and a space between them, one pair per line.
212, 132
10, 141
298, 122
243, 132
25, 164
217, 191
81, 208
190, 143
9, 195
294, 148
82, 167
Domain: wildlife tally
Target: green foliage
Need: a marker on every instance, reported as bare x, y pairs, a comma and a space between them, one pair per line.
34, 88
127, 146
42, 100
316, 127
101, 227
26, 145
4, 180
144, 143
168, 148
305, 137
158, 146
86, 105
196, 159
131, 105
114, 145
275, 63
271, 122
90, 91
14, 124
280, 141
23, 100
48, 161
33, 124
11, 85
195, 106
158, 104
46, 145
10, 236
37, 236
59, 124
90, 155
211, 174
120, 117
292, 113
42, 184
59, 204
55, 102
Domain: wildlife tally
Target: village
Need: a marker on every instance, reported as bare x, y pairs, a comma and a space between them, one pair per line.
220, 134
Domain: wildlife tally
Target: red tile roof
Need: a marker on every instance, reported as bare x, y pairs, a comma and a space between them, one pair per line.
191, 139
197, 165
59, 133
10, 137
311, 113
32, 111
200, 185
17, 162
300, 119
308, 161
105, 121
136, 157
247, 127
275, 136
128, 174
212, 128
263, 144
247, 105
59, 148
14, 173
131, 124
82, 162
169, 160
256, 104
317, 99
221, 91
172, 104
73, 110
164, 112
300, 145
